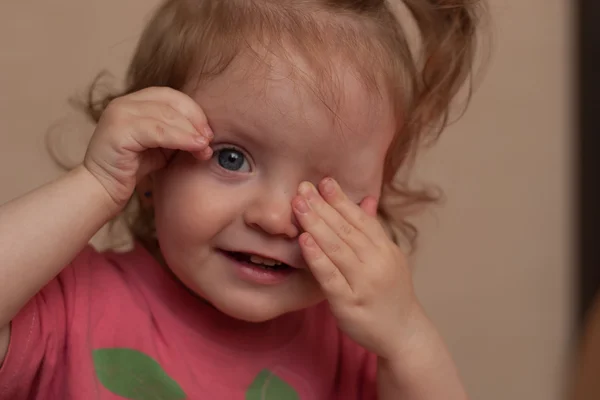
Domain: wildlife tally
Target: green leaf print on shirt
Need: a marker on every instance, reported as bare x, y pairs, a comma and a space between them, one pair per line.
134, 375
268, 386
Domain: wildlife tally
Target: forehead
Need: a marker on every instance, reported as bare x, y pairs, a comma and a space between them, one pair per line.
329, 123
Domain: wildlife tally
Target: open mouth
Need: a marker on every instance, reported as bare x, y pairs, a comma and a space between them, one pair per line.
258, 261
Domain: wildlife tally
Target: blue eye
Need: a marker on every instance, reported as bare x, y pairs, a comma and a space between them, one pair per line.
232, 160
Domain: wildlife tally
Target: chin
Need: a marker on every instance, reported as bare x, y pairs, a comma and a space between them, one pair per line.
254, 305
254, 316
251, 311
256, 308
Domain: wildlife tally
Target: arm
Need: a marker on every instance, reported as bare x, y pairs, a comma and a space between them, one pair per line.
41, 232
368, 284
423, 370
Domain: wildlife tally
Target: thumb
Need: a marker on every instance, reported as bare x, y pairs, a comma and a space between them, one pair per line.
152, 160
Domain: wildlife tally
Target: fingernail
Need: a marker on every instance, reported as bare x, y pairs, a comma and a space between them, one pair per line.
301, 206
209, 133
305, 188
201, 140
309, 241
328, 186
207, 152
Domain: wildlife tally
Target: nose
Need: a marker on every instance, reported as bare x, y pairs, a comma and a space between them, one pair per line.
272, 213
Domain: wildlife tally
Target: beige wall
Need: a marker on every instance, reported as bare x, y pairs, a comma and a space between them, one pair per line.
494, 267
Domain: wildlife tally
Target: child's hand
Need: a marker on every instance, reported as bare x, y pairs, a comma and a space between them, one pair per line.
362, 272
138, 134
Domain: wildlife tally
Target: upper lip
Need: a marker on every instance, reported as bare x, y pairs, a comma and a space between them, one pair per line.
285, 260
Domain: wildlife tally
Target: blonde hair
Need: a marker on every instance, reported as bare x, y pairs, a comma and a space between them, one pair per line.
199, 39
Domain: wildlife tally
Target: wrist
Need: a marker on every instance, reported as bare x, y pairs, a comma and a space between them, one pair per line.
420, 367
417, 343
99, 196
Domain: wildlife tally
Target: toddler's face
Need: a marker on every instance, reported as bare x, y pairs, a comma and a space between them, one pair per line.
217, 221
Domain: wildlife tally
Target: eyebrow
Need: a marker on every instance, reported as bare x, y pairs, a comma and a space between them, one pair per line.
248, 130
231, 128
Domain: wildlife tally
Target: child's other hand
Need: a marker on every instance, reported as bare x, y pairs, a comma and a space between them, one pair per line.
139, 133
362, 272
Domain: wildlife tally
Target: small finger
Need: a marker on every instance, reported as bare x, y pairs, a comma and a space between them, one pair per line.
336, 250
354, 214
369, 205
151, 133
179, 101
354, 238
329, 277
163, 112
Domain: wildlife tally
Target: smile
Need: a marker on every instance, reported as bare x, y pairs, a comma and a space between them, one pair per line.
259, 261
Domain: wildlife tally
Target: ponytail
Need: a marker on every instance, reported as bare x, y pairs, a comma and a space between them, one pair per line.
448, 32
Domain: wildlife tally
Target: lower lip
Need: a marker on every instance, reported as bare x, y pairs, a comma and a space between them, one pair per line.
261, 276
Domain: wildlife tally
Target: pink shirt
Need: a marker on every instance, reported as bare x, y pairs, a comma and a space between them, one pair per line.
118, 326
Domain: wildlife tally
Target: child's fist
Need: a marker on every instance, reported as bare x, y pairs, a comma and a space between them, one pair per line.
138, 134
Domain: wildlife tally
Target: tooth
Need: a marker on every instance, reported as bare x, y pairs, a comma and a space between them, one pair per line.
256, 259
266, 261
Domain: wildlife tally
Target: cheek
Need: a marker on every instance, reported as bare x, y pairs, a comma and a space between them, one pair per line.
192, 205
186, 205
